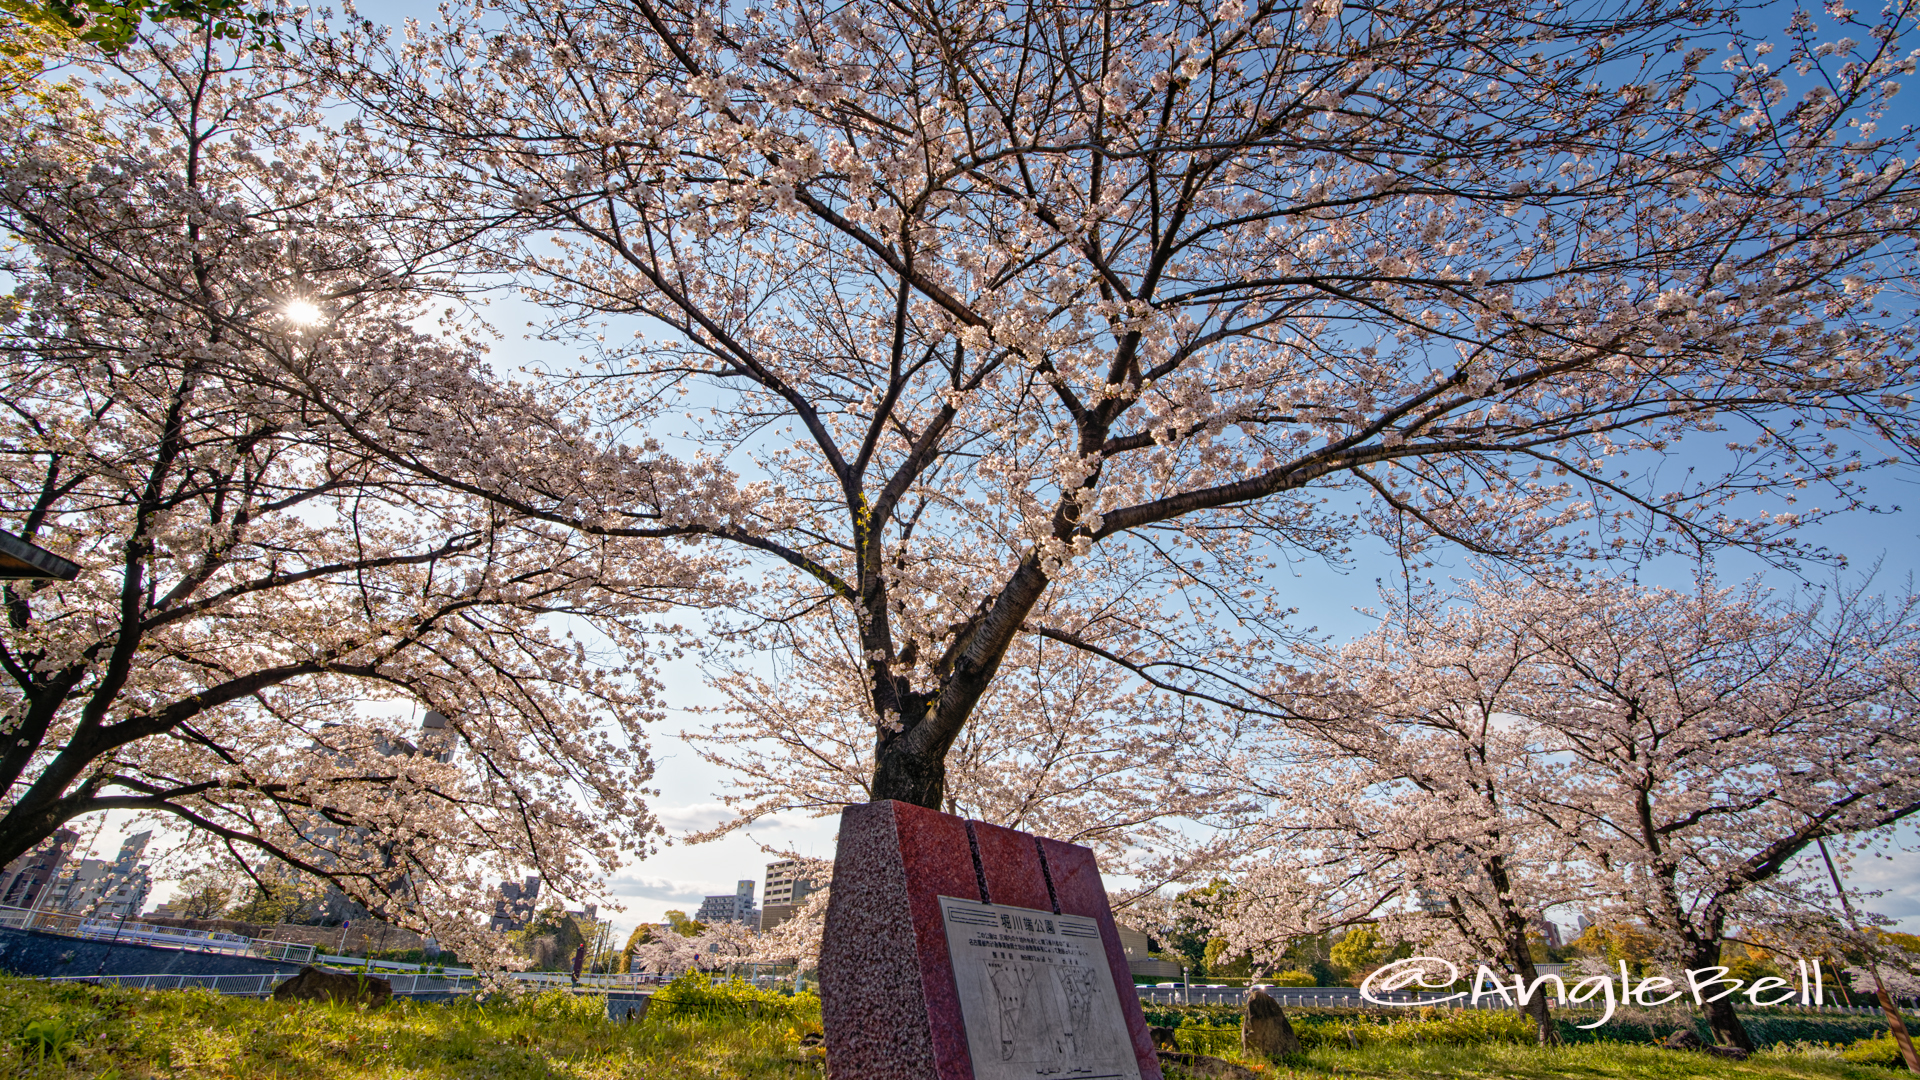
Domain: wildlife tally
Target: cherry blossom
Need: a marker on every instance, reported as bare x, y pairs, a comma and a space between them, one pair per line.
223, 388
1660, 757
1079, 322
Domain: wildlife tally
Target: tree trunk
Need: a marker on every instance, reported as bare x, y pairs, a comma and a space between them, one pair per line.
1545, 1032
1895, 1024
910, 764
1727, 1029
899, 773
1721, 1019
1520, 954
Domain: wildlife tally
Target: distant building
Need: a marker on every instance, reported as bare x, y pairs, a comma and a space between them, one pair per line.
102, 889
787, 888
1138, 948
737, 908
25, 878
1548, 930
514, 909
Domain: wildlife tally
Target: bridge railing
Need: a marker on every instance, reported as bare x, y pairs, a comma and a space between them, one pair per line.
94, 928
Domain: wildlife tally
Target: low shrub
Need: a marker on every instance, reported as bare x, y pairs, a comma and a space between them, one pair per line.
1428, 1027
443, 958
1878, 1050
698, 994
554, 1006
47, 1038
1206, 1039
1174, 1016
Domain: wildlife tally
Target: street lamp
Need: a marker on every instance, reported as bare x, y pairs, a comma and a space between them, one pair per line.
20, 560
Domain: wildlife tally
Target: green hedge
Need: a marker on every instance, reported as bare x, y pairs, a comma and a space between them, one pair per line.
1211, 1024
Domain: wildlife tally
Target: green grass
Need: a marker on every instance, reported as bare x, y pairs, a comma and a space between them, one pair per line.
67, 1032
725, 1032
1585, 1061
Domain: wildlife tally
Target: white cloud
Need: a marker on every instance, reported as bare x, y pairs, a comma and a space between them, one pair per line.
693, 817
633, 886
701, 816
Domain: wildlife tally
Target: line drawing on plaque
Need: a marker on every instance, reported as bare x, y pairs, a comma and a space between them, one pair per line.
1010, 984
1076, 985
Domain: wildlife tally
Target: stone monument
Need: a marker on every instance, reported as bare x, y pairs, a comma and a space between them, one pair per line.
1264, 1028
958, 950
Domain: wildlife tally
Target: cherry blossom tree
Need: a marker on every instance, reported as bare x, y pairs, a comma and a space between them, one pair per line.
1402, 794
1667, 755
1712, 737
664, 953
215, 372
1124, 306
716, 946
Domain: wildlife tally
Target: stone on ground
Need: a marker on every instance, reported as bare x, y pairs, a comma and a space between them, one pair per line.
1682, 1040
1265, 1029
327, 984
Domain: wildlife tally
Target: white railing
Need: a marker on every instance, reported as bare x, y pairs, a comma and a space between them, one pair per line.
232, 985
165, 937
263, 984
404, 985
543, 979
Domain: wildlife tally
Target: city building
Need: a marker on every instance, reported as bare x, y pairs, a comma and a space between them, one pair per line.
788, 887
1548, 930
25, 878
1138, 948
515, 907
101, 889
737, 908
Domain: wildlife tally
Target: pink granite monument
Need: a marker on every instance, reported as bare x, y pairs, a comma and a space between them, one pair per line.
958, 950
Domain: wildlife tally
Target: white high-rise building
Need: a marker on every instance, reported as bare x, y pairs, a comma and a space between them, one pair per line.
787, 888
101, 889
737, 908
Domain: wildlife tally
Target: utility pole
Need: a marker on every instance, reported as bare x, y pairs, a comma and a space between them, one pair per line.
1894, 1022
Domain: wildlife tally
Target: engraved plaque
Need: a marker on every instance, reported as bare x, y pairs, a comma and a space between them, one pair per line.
1036, 994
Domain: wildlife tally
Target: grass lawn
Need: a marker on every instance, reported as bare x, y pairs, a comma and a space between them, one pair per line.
1588, 1061
68, 1032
